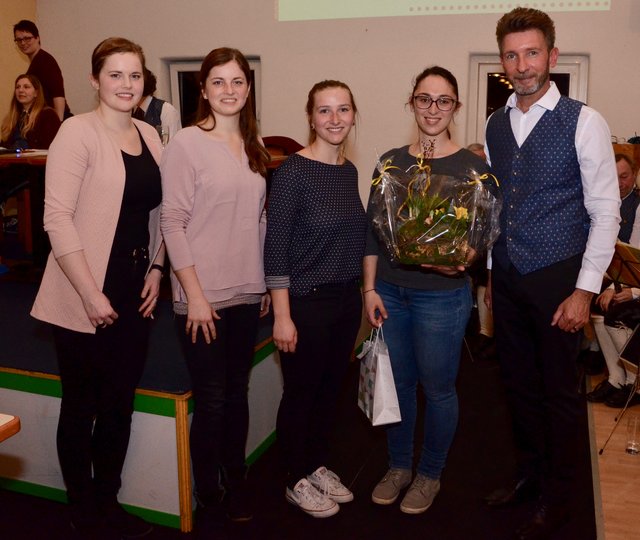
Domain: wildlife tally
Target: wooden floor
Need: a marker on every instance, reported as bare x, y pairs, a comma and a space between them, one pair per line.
618, 472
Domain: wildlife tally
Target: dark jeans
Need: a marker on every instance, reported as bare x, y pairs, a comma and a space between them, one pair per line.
538, 363
327, 321
220, 380
99, 374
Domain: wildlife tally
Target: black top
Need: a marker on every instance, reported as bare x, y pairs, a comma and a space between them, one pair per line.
142, 193
316, 226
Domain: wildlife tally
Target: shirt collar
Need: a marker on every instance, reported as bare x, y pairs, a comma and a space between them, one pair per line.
145, 103
548, 101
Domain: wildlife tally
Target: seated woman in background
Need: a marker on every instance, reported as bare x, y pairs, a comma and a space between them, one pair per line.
29, 123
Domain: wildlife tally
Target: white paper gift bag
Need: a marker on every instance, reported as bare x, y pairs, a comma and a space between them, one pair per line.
377, 396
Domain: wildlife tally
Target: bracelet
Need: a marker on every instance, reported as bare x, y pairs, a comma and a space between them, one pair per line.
157, 267
368, 290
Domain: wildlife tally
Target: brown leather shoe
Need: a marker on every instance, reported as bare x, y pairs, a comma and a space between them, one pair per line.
520, 491
546, 519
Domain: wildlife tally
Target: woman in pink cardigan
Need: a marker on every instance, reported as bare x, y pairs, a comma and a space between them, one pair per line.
213, 200
101, 282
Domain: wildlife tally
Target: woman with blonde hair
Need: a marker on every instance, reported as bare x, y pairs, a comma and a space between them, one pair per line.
313, 251
29, 122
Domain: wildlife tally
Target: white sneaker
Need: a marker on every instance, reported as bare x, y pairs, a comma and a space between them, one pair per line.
311, 501
328, 483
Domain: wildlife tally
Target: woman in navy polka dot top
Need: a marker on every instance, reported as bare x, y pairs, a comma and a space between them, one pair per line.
316, 228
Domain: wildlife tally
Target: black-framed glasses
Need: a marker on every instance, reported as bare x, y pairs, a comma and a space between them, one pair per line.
424, 101
25, 39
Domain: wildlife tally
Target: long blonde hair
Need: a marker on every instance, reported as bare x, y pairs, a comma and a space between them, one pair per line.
15, 109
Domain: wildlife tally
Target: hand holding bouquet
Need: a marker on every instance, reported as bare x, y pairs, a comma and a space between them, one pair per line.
424, 218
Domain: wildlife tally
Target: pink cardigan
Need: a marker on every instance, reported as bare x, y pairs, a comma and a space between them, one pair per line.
84, 186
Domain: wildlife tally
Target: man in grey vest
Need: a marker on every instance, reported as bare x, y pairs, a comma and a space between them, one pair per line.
555, 163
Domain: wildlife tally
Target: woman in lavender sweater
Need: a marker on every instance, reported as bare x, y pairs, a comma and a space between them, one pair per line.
213, 178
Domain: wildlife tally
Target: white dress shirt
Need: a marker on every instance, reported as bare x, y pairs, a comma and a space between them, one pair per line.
599, 180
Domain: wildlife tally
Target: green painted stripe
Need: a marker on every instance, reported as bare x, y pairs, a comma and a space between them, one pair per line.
27, 488
31, 384
160, 406
261, 449
60, 495
262, 353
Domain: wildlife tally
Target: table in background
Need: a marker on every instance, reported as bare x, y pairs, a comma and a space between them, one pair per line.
9, 426
29, 166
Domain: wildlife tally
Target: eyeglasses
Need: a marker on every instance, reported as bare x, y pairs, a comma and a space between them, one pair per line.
26, 39
424, 101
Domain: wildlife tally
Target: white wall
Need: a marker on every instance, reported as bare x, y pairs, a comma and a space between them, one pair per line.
377, 57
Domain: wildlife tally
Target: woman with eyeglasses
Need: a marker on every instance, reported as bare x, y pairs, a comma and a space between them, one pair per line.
424, 310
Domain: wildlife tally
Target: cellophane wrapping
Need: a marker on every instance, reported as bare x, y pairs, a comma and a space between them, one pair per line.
425, 218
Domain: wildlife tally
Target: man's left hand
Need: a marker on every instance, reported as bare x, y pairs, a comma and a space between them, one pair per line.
574, 312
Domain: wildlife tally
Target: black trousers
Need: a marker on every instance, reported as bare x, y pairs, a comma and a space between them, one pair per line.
538, 363
220, 382
99, 375
327, 321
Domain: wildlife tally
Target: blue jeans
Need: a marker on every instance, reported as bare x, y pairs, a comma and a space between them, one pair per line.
424, 333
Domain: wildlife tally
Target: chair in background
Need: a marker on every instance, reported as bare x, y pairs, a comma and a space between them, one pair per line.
278, 145
279, 149
22, 194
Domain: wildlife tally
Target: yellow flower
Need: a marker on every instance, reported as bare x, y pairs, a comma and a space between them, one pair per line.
461, 212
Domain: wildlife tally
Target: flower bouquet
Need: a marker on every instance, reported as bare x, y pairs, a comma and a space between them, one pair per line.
425, 218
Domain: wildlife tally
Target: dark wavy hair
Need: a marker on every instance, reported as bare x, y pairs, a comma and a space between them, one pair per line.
26, 25
437, 71
522, 19
256, 153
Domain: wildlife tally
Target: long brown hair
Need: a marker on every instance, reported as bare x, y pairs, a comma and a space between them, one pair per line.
256, 153
15, 109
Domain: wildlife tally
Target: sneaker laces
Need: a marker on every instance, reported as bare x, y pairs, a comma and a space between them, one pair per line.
393, 475
309, 493
420, 482
329, 480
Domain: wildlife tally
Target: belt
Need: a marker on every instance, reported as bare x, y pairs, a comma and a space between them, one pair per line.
137, 254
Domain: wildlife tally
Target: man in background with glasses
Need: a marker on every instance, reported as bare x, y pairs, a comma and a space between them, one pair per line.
43, 66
